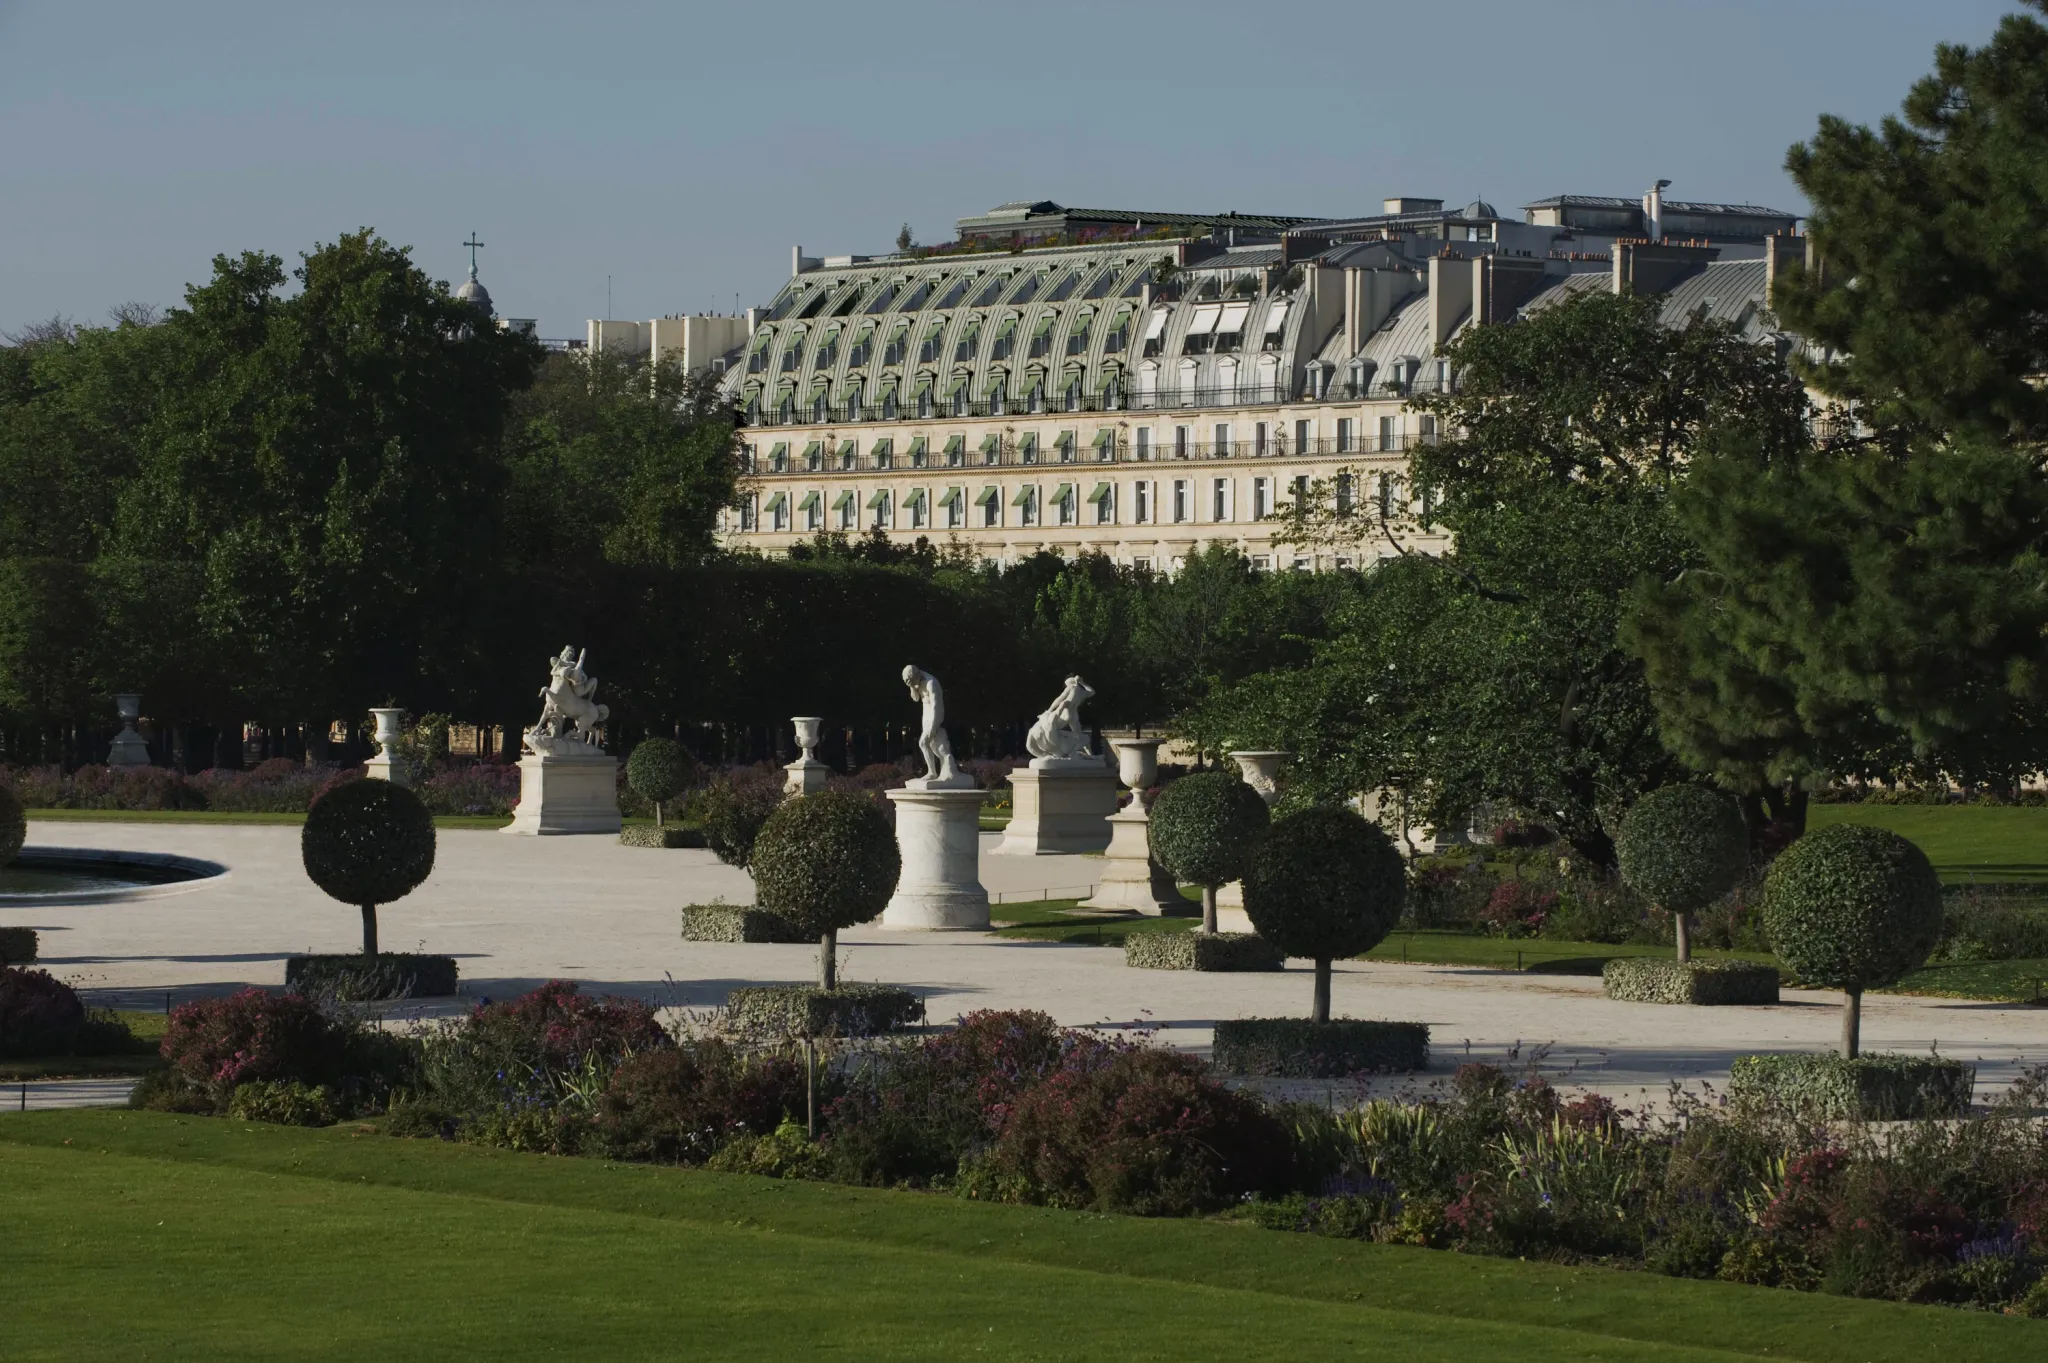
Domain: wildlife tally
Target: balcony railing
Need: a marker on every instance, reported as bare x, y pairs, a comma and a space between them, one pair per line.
1010, 454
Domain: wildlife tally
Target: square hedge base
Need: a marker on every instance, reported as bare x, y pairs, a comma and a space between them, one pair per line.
18, 946
1201, 951
359, 979
1658, 979
646, 835
1873, 1088
737, 923
806, 1010
1296, 1048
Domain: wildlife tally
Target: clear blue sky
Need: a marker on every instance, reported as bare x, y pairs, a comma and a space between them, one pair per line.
683, 148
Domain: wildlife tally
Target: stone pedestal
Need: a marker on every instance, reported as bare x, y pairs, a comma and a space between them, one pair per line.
129, 748
387, 765
1127, 881
939, 835
807, 776
576, 792
1059, 805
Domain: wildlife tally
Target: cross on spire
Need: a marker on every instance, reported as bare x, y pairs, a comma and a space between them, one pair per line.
472, 244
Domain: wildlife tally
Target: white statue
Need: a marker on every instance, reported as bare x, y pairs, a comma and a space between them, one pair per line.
939, 770
1057, 735
569, 714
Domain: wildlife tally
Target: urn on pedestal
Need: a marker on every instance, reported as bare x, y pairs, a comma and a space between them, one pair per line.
1130, 880
388, 765
129, 748
807, 775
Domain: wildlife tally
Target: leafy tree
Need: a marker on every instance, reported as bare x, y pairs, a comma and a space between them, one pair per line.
1683, 847
826, 862
1324, 883
1929, 306
1203, 829
658, 770
367, 843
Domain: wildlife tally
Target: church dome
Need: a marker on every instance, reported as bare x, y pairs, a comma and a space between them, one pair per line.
476, 295
1480, 208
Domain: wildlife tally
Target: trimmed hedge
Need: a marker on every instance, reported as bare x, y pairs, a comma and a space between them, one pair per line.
39, 1014
826, 862
353, 978
1829, 1087
658, 770
1683, 847
368, 842
670, 836
1852, 907
1658, 979
13, 826
1295, 1048
737, 923
806, 1010
1201, 951
18, 945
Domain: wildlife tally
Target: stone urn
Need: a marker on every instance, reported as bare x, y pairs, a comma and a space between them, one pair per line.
1261, 771
129, 749
1137, 765
807, 775
387, 765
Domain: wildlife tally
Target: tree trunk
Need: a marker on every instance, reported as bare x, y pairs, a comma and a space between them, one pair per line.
1683, 922
828, 960
1209, 909
1852, 1022
657, 815
1321, 1011
369, 929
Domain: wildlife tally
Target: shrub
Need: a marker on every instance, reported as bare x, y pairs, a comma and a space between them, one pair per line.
470, 788
387, 975
13, 826
1982, 924
808, 1010
1303, 1049
1867, 1088
786, 1152
213, 1045
1203, 829
1147, 1134
642, 836
1852, 907
1324, 883
39, 1014
1683, 847
737, 923
731, 811
826, 862
283, 1102
368, 843
1651, 979
681, 1104
1201, 951
659, 770
18, 945
1518, 909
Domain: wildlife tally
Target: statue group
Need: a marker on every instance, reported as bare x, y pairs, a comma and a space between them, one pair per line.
567, 783
569, 712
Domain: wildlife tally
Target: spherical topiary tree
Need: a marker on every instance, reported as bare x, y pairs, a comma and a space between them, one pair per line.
368, 843
1203, 830
1324, 883
13, 826
659, 770
1683, 847
825, 862
1852, 907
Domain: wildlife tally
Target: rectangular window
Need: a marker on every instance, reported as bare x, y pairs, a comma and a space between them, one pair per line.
1143, 565
1390, 433
1219, 500
1344, 497
1027, 449
1144, 443
1180, 442
1343, 435
1104, 498
1141, 504
1180, 499
1386, 496
1301, 437
916, 509
844, 510
747, 520
1262, 563
1259, 439
1426, 429
879, 504
1222, 433
1261, 498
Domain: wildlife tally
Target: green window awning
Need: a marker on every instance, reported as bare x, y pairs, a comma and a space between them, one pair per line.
867, 329
959, 382
924, 384
883, 448
1044, 325
1027, 444
1008, 327
843, 501
991, 443
1065, 440
988, 494
915, 497
762, 340
1101, 491
1105, 438
814, 449
953, 495
919, 447
776, 503
1025, 496
1063, 493
955, 444
781, 450
846, 449
810, 500
880, 499
896, 332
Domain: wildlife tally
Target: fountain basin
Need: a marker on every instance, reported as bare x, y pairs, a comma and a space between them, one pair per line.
85, 875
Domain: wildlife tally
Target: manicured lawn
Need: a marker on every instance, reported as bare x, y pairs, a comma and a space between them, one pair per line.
1536, 954
1061, 920
198, 1238
222, 816
1965, 843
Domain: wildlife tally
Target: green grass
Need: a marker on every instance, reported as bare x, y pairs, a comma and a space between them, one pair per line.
1966, 843
196, 1237
1062, 920
1429, 946
2018, 981
224, 816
